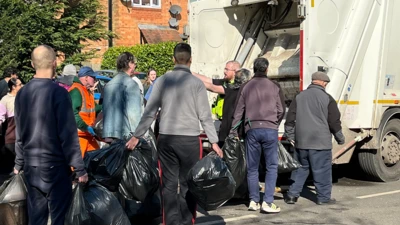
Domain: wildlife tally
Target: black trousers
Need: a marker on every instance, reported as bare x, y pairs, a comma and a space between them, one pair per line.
49, 191
177, 155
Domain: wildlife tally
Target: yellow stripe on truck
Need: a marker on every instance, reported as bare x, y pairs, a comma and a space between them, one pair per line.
342, 102
396, 102
382, 101
312, 3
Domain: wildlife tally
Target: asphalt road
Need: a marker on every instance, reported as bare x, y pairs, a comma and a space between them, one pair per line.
358, 202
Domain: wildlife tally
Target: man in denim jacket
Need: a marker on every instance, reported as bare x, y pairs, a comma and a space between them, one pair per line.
122, 101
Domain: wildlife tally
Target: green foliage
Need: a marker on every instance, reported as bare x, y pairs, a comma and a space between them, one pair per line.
62, 24
156, 56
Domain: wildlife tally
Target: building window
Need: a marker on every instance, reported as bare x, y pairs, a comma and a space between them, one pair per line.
147, 3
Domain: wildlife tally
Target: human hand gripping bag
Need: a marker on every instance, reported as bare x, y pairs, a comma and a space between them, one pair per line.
286, 162
140, 177
211, 182
13, 207
106, 165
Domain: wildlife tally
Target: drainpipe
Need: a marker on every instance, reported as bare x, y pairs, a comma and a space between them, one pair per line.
110, 28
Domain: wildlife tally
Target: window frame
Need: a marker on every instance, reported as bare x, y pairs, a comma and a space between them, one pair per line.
151, 6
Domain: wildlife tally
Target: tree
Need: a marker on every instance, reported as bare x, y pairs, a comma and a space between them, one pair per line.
65, 25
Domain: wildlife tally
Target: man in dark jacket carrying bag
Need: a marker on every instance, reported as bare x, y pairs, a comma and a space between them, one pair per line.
47, 143
312, 119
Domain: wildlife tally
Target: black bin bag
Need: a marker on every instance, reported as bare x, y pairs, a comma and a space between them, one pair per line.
140, 177
103, 207
211, 182
286, 162
77, 213
106, 165
235, 158
13, 208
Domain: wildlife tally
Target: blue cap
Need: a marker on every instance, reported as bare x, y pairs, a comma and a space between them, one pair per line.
87, 71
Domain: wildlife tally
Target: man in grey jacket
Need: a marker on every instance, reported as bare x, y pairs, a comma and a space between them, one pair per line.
184, 103
312, 119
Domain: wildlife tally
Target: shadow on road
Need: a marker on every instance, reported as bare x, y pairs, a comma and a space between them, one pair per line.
215, 219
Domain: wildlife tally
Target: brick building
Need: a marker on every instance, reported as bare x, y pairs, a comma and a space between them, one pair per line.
146, 21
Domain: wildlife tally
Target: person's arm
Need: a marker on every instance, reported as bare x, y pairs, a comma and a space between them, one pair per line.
150, 112
335, 126
3, 113
19, 150
283, 104
204, 115
66, 130
149, 115
76, 98
203, 78
279, 108
290, 123
214, 88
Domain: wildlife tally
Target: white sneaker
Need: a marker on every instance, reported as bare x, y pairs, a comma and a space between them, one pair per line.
270, 208
254, 206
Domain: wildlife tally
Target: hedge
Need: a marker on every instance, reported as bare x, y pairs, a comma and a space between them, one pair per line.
156, 56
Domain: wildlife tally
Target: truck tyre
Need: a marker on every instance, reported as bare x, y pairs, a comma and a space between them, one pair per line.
383, 164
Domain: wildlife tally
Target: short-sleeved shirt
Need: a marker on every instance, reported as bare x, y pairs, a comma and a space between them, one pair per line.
219, 82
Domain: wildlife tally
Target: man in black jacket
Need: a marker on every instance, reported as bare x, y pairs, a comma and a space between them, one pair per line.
312, 119
47, 143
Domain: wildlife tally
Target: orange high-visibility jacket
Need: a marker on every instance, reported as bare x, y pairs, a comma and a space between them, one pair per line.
88, 108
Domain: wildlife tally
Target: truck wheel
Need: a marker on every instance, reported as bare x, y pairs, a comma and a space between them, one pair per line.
383, 165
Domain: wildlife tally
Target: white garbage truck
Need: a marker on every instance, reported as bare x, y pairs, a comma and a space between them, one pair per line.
356, 42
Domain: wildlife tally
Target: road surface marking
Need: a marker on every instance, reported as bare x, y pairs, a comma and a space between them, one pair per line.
378, 194
224, 221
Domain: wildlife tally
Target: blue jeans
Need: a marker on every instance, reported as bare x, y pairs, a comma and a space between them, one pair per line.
257, 141
320, 162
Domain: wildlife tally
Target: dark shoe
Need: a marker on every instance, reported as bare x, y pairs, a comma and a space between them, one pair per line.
331, 201
290, 200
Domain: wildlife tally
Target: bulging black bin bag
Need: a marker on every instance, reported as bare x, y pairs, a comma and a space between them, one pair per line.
77, 213
13, 208
286, 163
106, 165
234, 156
140, 177
103, 207
235, 159
211, 182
